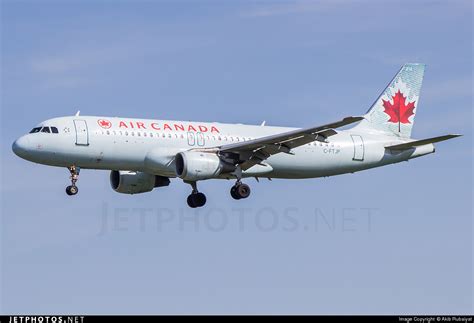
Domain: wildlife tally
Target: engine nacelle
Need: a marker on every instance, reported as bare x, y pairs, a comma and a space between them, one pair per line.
128, 182
196, 165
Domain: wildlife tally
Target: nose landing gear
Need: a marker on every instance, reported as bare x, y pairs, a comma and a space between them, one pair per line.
72, 189
196, 199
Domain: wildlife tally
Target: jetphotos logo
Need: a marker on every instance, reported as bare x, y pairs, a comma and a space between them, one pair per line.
106, 124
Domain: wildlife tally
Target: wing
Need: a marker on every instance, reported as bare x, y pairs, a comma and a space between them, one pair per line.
252, 152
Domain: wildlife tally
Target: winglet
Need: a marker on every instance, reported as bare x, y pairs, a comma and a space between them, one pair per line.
344, 122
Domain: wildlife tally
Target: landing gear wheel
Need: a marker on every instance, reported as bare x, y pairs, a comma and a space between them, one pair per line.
240, 191
72, 190
196, 200
190, 201
233, 193
243, 190
200, 199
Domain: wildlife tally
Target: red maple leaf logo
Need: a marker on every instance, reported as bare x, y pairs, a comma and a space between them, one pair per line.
399, 111
104, 123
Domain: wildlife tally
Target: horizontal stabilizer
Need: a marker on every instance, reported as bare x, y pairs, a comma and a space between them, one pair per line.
422, 142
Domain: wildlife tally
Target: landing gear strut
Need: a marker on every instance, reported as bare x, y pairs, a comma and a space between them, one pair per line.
196, 199
72, 189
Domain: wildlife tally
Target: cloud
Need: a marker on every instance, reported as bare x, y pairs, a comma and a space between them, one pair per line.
55, 64
68, 70
299, 7
72, 61
287, 8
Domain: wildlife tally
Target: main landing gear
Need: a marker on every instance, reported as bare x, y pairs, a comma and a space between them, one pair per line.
240, 191
72, 189
196, 198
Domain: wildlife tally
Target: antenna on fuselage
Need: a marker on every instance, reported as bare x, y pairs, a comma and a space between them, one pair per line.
263, 123
78, 113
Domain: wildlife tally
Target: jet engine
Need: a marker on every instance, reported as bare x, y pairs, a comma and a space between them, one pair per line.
128, 182
196, 165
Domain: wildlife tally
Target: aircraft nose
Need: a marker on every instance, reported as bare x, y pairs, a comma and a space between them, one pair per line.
21, 147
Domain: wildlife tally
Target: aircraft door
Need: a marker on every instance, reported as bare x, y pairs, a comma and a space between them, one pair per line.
82, 134
358, 147
200, 139
191, 139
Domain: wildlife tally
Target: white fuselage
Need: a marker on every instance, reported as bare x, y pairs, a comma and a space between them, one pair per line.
151, 145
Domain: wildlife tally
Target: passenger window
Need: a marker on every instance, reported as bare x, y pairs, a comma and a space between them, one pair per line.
35, 130
45, 129
54, 130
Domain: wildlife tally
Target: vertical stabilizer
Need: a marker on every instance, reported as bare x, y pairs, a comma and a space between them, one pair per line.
395, 109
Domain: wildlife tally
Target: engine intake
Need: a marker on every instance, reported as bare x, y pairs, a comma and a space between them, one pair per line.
196, 165
129, 182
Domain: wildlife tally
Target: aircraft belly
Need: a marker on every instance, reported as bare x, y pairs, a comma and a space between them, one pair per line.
324, 160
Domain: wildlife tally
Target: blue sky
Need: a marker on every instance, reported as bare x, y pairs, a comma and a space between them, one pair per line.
391, 240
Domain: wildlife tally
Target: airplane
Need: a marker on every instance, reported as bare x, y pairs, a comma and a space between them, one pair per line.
144, 154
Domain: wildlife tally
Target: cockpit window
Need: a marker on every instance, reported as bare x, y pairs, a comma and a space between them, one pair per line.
45, 130
35, 130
